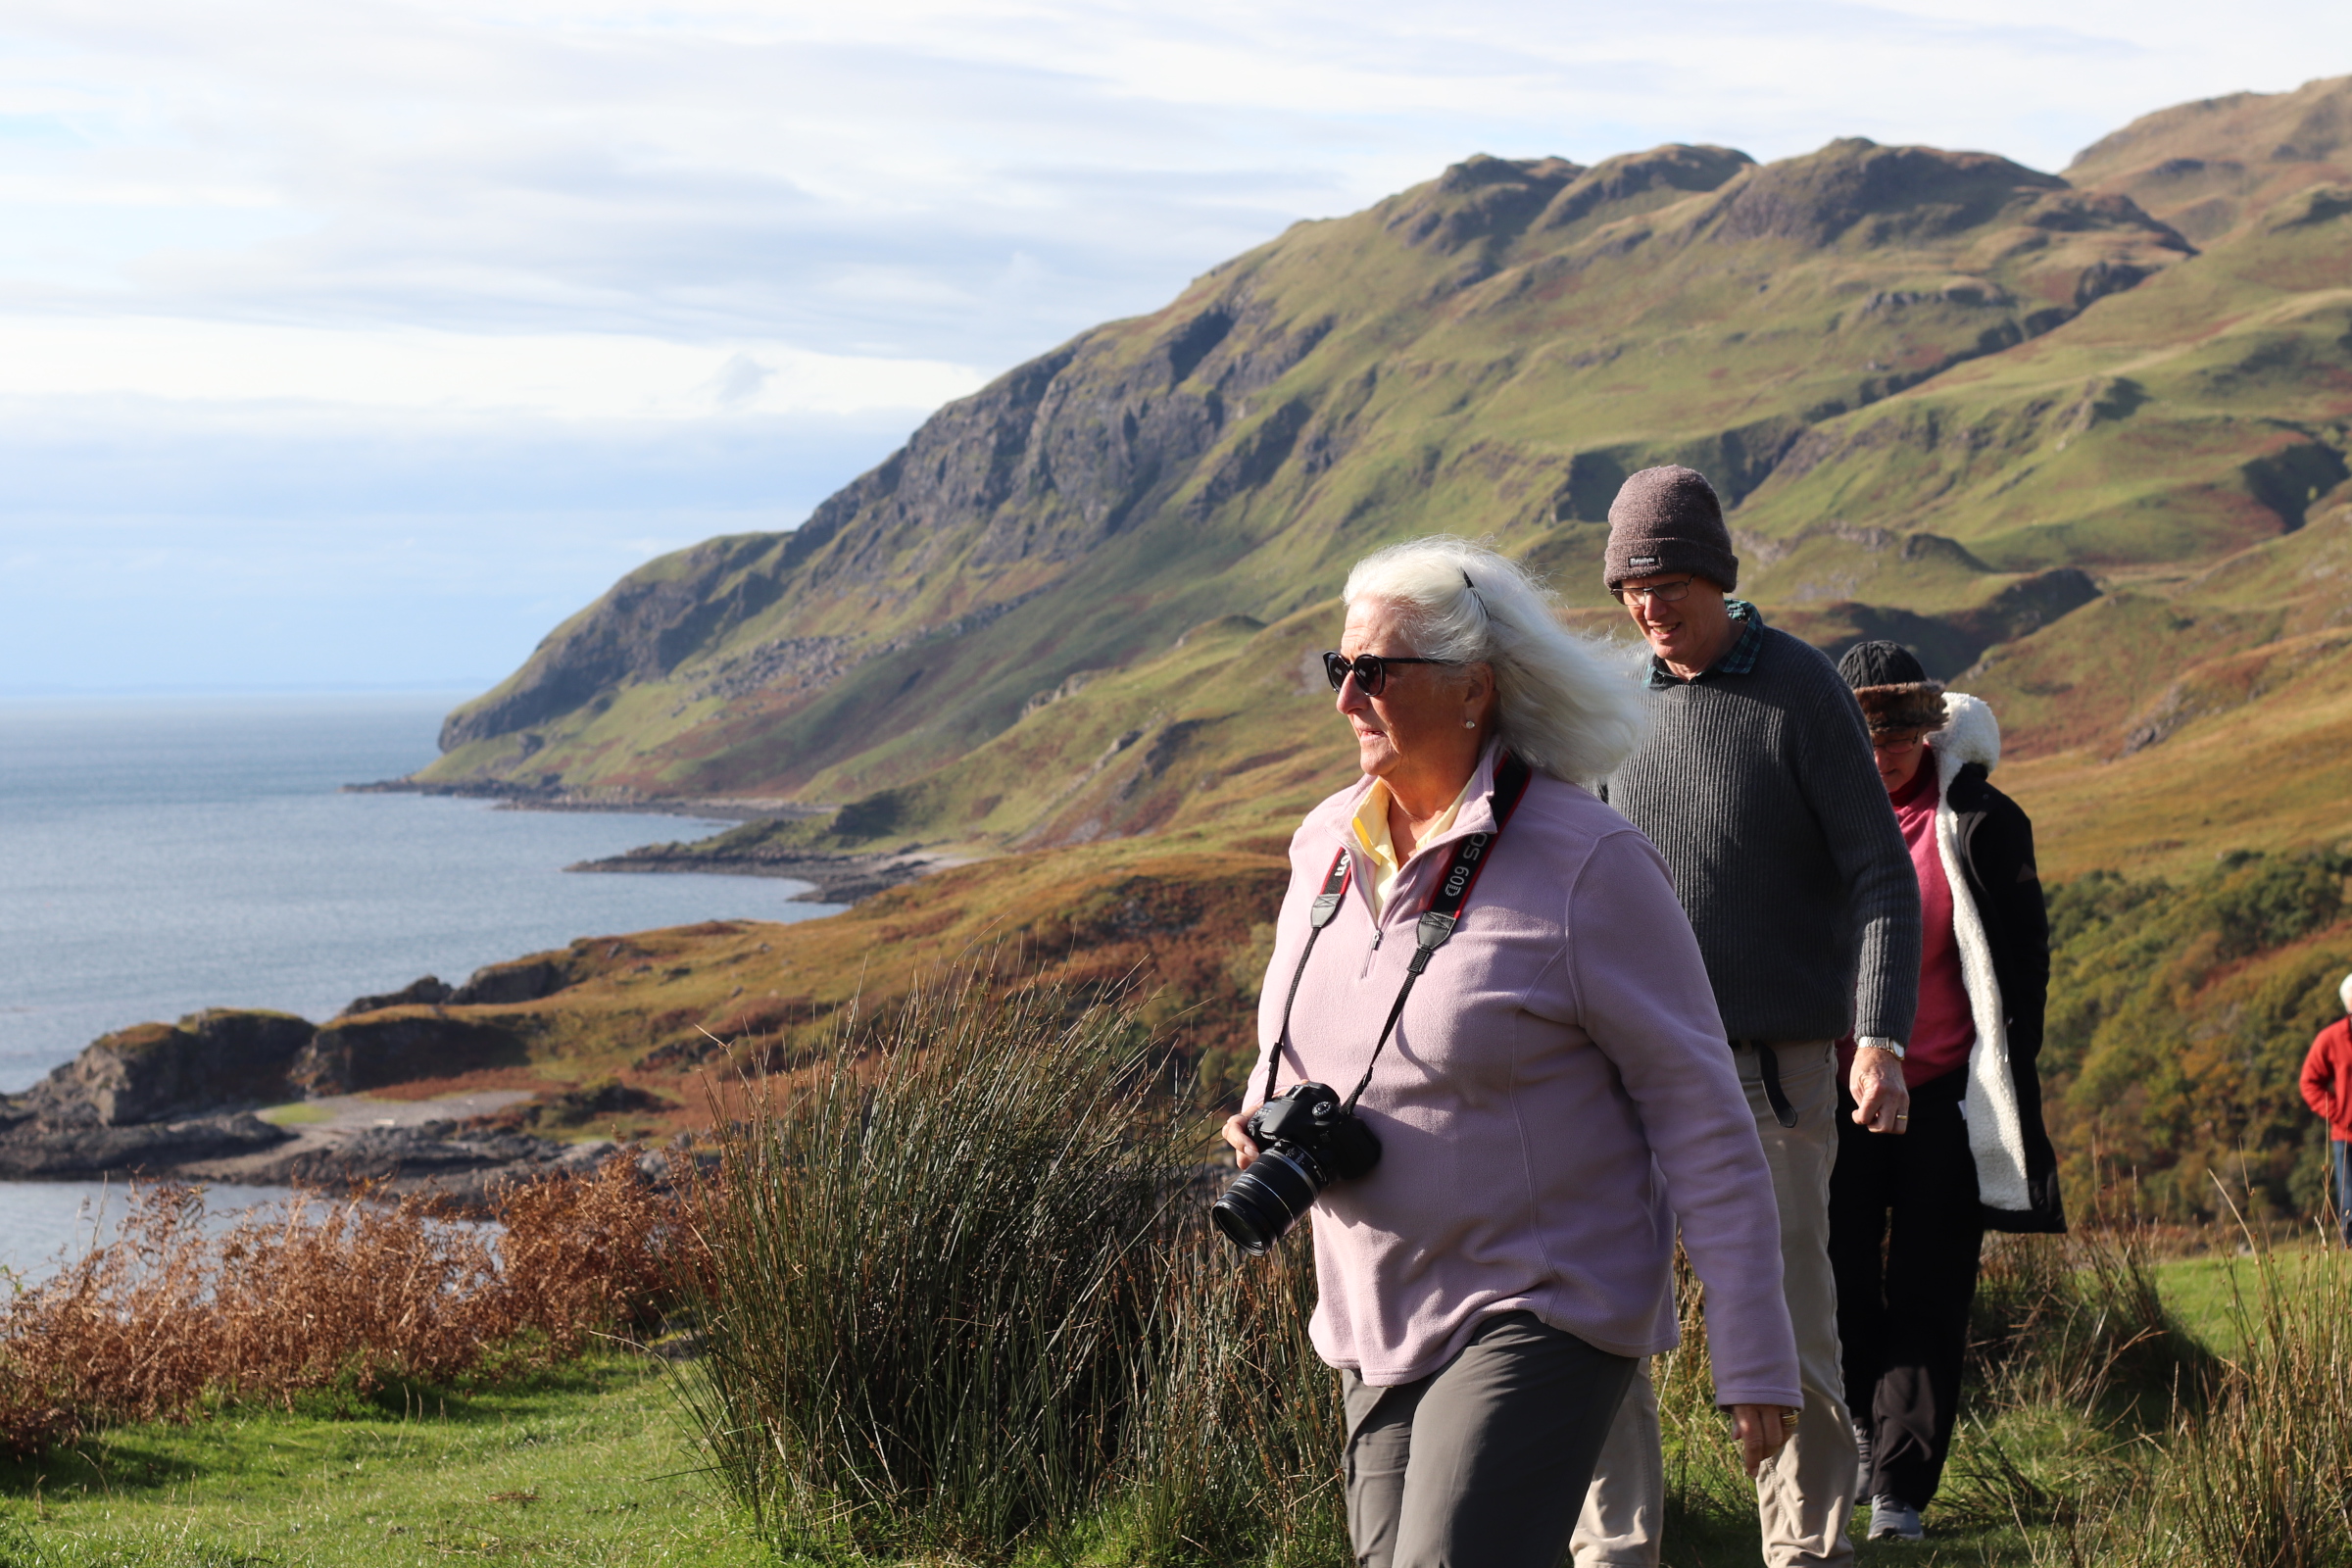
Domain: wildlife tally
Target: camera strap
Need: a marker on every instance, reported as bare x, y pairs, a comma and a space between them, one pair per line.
1318, 916
1439, 917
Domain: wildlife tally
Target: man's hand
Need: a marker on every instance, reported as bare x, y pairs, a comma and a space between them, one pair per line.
1237, 1133
1763, 1430
1881, 1101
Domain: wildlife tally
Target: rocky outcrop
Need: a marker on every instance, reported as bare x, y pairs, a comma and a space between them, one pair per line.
350, 1055
464, 1161
425, 1150
218, 1059
176, 1099
517, 980
155, 1096
428, 992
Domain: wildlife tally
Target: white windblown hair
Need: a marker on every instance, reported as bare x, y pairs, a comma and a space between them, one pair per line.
2344, 991
1564, 706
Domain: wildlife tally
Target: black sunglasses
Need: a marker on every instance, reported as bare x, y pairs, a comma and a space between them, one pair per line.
1371, 670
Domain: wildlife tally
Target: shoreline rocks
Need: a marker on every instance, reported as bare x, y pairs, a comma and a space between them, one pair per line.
178, 1100
836, 878
35, 1149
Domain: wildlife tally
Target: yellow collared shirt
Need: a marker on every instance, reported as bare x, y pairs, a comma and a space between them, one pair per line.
1372, 832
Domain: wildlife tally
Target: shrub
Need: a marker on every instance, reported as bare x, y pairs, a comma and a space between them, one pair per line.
318, 1292
2178, 1017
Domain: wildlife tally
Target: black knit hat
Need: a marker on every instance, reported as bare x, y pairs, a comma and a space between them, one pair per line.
1892, 687
1668, 520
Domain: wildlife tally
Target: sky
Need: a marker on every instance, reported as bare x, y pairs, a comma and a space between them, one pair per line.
355, 346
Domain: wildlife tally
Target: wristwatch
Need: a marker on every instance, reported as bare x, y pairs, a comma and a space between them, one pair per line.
1893, 1047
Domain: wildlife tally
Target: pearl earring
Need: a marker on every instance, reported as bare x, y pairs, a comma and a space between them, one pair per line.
1469, 723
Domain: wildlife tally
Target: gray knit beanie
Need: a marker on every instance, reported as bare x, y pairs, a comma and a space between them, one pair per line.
1668, 520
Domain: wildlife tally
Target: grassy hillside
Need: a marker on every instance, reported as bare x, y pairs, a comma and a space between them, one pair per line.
1489, 353
2019, 422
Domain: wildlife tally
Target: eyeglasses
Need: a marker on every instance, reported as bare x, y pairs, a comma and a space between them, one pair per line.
1371, 670
1896, 743
1664, 593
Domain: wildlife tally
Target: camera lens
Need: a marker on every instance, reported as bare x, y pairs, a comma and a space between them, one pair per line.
1266, 1200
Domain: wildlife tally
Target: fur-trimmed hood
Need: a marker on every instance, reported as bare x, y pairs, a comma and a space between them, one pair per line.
1970, 734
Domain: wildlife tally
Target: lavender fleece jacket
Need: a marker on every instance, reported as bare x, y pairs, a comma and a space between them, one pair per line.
1557, 1092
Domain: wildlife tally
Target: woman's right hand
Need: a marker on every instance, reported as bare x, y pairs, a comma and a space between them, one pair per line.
1237, 1133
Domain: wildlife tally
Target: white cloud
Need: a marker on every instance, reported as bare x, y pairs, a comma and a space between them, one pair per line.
576, 375
327, 228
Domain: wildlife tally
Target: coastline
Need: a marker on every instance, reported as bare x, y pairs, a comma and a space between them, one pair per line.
833, 878
232, 1096
513, 797
842, 879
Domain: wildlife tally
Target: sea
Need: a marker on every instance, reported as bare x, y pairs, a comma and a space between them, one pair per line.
161, 856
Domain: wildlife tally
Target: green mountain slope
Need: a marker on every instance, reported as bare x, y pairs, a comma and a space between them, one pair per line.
1486, 354
2019, 422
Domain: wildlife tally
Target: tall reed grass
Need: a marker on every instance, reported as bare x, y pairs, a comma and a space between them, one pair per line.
2262, 1478
2255, 1472
2075, 1322
168, 1319
933, 1254
1233, 1440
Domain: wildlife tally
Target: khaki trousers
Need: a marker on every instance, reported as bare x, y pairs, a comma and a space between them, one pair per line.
1805, 1497
1481, 1464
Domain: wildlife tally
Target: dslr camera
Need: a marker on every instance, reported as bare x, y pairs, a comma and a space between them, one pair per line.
1307, 1140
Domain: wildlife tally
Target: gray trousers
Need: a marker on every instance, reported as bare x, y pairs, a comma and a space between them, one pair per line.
1805, 1496
1484, 1462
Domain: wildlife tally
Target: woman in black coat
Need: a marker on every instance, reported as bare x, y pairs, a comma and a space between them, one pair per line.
1907, 1214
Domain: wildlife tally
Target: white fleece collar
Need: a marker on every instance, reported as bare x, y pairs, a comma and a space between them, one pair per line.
1970, 734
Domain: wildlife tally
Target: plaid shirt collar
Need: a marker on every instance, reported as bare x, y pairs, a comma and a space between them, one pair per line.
1741, 660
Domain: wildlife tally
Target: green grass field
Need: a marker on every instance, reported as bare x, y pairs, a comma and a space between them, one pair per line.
590, 1464
584, 1465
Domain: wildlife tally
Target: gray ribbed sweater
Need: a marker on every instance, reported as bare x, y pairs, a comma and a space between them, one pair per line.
1760, 791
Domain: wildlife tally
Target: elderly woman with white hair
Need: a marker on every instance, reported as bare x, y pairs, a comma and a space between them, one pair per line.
1496, 961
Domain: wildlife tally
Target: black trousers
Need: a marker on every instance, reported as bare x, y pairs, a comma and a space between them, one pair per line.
1904, 1233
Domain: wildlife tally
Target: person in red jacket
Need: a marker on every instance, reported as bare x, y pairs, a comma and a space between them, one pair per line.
2328, 1090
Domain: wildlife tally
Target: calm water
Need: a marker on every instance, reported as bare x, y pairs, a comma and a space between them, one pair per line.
43, 1224
161, 856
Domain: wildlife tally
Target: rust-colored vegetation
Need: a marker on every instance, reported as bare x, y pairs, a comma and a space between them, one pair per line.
358, 1292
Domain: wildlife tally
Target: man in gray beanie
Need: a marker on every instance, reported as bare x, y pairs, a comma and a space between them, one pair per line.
1758, 785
